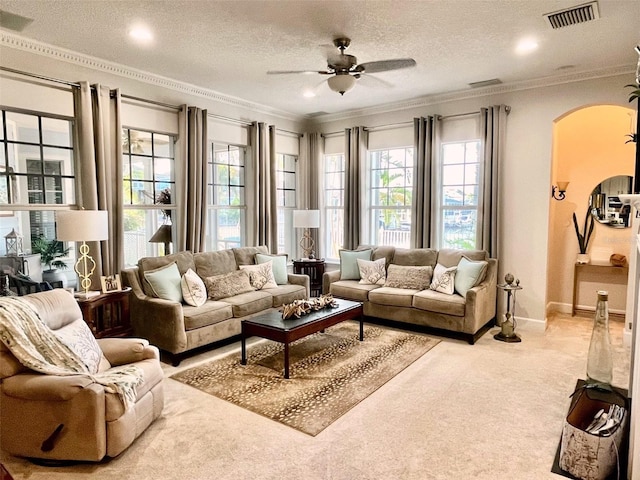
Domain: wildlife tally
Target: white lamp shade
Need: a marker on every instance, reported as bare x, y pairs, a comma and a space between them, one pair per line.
341, 83
82, 225
306, 218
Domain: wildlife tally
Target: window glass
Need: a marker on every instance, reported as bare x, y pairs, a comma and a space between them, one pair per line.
286, 198
333, 218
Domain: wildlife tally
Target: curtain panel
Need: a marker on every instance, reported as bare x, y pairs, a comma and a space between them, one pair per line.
354, 166
310, 177
493, 126
191, 181
265, 221
423, 217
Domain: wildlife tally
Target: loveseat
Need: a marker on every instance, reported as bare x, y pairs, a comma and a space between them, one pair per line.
180, 322
75, 417
448, 290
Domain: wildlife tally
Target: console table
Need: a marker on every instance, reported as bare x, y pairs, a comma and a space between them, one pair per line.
600, 269
107, 314
314, 269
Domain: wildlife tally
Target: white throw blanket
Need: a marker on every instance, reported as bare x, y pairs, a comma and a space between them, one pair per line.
36, 347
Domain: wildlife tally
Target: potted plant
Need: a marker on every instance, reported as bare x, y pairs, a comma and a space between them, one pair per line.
50, 251
585, 236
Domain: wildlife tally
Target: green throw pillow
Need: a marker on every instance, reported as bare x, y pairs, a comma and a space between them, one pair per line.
165, 282
349, 269
279, 266
469, 274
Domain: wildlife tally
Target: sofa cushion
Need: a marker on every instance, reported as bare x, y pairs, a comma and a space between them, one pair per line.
415, 257
383, 251
209, 264
194, 291
372, 272
411, 277
469, 274
165, 282
443, 279
286, 294
397, 297
349, 264
351, 289
450, 257
184, 261
261, 275
211, 312
250, 302
247, 255
279, 266
228, 285
437, 302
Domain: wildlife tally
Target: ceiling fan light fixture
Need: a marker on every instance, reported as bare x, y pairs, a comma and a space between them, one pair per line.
341, 83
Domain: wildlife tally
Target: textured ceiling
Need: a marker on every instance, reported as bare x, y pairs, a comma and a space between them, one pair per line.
228, 46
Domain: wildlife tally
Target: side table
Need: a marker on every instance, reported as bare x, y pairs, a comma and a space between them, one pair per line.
314, 269
107, 314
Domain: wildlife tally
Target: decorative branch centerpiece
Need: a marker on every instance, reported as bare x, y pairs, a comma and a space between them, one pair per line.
585, 236
298, 308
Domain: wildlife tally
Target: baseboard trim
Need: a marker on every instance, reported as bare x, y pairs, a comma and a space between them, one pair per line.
532, 324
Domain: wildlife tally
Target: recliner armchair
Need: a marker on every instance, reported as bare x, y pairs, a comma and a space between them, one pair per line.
72, 417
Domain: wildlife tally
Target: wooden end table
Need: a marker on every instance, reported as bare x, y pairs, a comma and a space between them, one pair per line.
314, 269
107, 314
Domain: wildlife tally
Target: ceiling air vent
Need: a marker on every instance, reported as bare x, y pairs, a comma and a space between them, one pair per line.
485, 83
14, 22
574, 15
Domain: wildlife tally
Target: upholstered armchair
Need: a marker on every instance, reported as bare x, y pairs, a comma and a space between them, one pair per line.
74, 417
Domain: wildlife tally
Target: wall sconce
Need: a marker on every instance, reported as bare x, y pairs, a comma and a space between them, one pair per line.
560, 189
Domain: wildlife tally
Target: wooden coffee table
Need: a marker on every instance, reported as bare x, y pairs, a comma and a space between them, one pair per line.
273, 327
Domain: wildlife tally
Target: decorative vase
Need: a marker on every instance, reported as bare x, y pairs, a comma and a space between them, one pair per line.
583, 258
54, 275
600, 358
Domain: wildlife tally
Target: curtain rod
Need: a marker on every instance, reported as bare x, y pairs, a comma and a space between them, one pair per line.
40, 77
229, 119
293, 134
153, 102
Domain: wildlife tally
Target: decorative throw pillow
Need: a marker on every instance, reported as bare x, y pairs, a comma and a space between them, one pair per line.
349, 265
261, 275
411, 277
228, 284
279, 266
78, 337
165, 282
443, 279
470, 273
193, 290
372, 272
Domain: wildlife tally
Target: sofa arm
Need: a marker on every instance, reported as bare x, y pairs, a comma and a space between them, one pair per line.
328, 278
480, 301
299, 279
36, 386
122, 351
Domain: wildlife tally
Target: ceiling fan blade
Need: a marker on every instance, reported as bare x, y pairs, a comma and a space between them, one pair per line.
286, 72
372, 81
386, 65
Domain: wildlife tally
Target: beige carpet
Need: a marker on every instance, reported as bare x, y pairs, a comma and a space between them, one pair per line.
331, 372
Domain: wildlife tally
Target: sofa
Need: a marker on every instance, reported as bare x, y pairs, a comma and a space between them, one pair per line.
177, 324
406, 289
74, 417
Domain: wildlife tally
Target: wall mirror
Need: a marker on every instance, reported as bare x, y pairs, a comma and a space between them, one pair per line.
605, 205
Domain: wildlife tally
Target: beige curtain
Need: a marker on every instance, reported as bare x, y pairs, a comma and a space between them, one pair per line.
493, 126
424, 154
265, 226
99, 146
355, 151
311, 159
191, 198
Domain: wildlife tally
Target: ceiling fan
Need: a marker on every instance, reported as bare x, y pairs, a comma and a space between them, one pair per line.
344, 69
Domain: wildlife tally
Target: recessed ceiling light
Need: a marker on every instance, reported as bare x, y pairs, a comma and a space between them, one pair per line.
141, 34
309, 94
526, 46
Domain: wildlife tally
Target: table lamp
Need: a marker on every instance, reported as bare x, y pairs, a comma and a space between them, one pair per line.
306, 219
83, 226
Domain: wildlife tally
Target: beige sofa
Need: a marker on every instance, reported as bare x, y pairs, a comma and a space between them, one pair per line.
53, 417
469, 317
178, 328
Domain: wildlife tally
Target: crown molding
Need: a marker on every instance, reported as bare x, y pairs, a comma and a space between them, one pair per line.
18, 42
428, 100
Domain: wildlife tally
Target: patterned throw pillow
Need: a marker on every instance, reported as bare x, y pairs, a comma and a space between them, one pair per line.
193, 290
443, 279
372, 272
410, 277
228, 284
261, 275
279, 266
78, 337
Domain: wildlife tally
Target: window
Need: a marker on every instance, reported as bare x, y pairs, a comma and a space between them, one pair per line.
148, 179
36, 171
286, 181
333, 228
460, 174
390, 196
226, 197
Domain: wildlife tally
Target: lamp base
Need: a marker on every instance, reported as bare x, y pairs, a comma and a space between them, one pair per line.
514, 338
85, 295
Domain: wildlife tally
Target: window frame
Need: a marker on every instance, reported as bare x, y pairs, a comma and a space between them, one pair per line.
331, 211
286, 232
